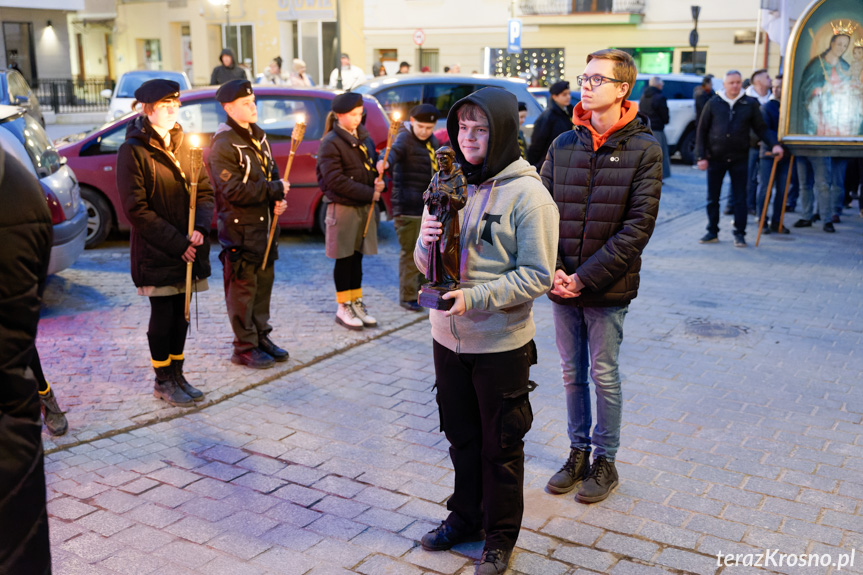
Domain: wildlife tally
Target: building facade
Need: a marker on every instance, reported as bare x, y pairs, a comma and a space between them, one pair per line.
557, 35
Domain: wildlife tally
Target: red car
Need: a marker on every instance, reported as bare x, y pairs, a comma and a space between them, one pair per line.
94, 157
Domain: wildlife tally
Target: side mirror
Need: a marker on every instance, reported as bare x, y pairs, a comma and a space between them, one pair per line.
106, 93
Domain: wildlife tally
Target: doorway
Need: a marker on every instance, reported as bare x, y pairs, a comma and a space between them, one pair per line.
20, 51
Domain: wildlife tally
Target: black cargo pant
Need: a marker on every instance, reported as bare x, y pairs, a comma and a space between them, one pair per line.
485, 413
247, 294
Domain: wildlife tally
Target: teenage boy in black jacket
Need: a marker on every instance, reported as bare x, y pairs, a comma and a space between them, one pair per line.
722, 145
605, 177
413, 161
249, 194
553, 122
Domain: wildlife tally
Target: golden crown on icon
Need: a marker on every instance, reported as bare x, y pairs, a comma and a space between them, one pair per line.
844, 28
858, 43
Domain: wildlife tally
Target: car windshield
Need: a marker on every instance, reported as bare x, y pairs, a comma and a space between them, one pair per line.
131, 82
29, 132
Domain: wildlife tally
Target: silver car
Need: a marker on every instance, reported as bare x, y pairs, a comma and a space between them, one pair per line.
25, 139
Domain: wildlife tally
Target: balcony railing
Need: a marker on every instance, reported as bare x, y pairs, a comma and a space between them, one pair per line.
561, 7
73, 95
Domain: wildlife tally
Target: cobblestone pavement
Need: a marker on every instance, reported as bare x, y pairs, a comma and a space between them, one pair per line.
742, 428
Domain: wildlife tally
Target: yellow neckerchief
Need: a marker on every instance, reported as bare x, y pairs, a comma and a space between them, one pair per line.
432, 155
257, 146
367, 161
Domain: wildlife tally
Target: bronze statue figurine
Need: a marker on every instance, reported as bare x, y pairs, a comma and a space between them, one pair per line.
445, 196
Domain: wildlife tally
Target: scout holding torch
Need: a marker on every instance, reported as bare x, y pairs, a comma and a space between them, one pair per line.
296, 137
196, 159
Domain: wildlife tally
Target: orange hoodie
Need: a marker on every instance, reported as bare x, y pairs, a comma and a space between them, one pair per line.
580, 117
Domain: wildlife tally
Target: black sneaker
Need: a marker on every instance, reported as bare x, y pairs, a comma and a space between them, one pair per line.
709, 238
266, 345
766, 230
828, 227
803, 223
816, 217
444, 536
493, 562
601, 480
739, 241
776, 230
571, 474
254, 358
411, 306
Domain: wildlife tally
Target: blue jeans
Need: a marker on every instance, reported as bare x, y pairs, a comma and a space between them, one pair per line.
589, 338
837, 183
779, 180
815, 178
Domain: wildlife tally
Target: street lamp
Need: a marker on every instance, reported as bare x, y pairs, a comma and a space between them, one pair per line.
227, 5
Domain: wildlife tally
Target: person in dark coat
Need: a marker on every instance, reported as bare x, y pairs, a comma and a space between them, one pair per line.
701, 95
654, 105
352, 187
605, 177
413, 161
153, 180
249, 194
227, 70
554, 121
522, 117
722, 145
26, 235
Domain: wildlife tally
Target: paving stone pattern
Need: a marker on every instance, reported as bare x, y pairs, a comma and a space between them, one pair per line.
742, 432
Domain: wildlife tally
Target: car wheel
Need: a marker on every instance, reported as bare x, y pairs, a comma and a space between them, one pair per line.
321, 217
99, 217
687, 147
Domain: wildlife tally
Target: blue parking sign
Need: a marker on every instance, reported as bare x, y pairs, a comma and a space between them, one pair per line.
514, 37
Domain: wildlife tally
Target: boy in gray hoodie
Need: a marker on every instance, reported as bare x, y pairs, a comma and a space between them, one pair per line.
483, 346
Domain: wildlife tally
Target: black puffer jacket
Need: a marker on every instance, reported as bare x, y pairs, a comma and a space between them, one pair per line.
25, 234
247, 188
152, 184
553, 122
723, 136
222, 73
411, 163
346, 174
608, 202
654, 105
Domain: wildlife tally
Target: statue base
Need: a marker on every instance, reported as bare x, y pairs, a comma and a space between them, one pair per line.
432, 297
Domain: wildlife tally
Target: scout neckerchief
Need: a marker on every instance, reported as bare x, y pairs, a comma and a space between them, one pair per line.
367, 161
432, 156
176, 141
257, 145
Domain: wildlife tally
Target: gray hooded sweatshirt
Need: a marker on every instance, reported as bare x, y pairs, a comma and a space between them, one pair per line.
509, 234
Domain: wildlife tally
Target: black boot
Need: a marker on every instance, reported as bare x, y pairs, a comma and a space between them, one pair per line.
52, 415
445, 536
266, 345
599, 482
167, 389
195, 394
573, 472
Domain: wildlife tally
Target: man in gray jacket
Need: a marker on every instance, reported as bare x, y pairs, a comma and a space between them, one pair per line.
483, 346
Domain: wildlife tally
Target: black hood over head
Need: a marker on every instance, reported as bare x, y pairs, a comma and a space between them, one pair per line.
501, 109
228, 52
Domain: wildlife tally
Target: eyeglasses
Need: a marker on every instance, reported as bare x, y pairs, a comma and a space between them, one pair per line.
596, 80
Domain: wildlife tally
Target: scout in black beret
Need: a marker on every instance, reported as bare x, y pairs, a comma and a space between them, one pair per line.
425, 113
558, 87
344, 103
153, 91
233, 90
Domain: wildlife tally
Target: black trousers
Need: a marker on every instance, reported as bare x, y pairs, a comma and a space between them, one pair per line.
348, 272
738, 171
248, 290
485, 413
168, 326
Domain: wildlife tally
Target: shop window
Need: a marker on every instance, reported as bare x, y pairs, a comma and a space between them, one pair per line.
698, 66
539, 66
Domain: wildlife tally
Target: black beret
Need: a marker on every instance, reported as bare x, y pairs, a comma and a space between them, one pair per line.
558, 87
522, 107
344, 103
230, 91
152, 91
425, 113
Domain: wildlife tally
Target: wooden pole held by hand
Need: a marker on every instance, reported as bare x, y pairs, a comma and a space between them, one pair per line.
391, 134
196, 156
296, 137
787, 186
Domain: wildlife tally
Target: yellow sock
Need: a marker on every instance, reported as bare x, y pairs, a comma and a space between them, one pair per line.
175, 357
344, 296
356, 293
157, 363
47, 389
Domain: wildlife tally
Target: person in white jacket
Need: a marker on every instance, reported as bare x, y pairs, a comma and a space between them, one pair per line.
352, 76
483, 346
